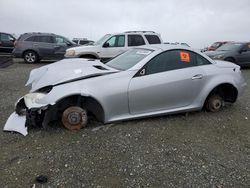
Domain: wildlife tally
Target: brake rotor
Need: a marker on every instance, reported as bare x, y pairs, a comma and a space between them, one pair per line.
74, 118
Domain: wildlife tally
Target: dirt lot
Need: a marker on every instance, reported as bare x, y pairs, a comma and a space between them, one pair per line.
198, 149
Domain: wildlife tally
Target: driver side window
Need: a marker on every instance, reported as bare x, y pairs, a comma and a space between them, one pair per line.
6, 37
59, 40
115, 41
171, 60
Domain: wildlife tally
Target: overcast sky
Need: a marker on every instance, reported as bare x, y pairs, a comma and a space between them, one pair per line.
197, 22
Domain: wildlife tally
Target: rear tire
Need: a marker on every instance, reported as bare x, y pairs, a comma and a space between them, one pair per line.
30, 57
214, 103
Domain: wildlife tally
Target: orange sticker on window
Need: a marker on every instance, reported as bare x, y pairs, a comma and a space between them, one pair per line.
185, 57
248, 45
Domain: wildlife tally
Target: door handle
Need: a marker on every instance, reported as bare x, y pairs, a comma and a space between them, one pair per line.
198, 76
56, 46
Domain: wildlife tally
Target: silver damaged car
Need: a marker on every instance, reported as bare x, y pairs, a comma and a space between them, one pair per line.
142, 82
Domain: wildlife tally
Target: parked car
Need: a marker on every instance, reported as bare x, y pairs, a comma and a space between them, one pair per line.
204, 49
142, 82
177, 43
83, 41
236, 52
112, 45
216, 45
6, 42
33, 47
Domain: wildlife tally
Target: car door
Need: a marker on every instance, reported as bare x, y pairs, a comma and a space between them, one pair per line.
60, 46
244, 56
6, 43
168, 81
114, 46
44, 45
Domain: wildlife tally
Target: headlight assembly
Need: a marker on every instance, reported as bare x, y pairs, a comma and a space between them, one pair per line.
70, 53
31, 98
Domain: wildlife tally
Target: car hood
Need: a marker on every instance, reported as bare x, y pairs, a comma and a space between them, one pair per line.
66, 70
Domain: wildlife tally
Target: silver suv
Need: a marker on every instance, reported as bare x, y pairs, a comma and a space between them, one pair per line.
33, 47
112, 45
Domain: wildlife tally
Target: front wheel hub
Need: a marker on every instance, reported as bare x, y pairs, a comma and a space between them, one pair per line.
74, 118
216, 104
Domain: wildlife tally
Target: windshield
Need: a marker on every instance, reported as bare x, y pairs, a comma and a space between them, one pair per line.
101, 40
128, 59
215, 45
69, 41
230, 47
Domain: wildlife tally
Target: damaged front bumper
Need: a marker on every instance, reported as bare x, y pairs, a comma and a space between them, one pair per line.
28, 113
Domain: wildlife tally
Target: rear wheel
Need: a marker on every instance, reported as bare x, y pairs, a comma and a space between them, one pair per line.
214, 103
74, 118
30, 57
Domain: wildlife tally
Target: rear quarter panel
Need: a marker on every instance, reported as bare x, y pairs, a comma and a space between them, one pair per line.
216, 76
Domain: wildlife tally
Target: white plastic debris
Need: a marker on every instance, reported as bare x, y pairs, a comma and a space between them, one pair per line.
16, 123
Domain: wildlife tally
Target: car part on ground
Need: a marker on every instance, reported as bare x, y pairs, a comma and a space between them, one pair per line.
33, 47
235, 52
111, 45
142, 82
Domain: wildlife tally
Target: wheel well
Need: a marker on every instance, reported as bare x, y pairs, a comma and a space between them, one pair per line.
227, 91
28, 51
88, 103
231, 59
88, 56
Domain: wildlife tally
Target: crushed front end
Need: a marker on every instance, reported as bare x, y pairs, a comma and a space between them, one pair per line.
28, 114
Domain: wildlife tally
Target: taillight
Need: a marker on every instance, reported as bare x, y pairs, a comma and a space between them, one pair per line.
16, 43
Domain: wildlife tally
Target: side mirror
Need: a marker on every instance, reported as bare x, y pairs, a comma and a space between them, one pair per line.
105, 45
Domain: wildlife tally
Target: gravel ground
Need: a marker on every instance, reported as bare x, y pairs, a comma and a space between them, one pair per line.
197, 149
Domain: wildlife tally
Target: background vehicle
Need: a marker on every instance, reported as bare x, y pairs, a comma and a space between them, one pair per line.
142, 82
177, 43
112, 45
6, 42
236, 52
82, 41
216, 45
33, 47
